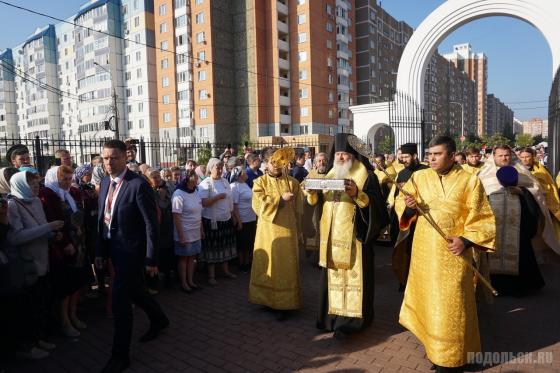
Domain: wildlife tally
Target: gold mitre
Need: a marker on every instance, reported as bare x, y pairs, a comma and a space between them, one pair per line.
282, 157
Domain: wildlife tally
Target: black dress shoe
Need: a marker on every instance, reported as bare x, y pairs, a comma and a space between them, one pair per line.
116, 365
154, 331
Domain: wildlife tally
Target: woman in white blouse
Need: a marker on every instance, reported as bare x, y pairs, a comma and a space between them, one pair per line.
246, 217
187, 233
218, 245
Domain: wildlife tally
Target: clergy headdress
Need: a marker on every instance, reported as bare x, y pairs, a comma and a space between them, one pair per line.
341, 144
409, 148
13, 149
508, 176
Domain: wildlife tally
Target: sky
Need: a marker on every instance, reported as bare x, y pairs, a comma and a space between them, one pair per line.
519, 60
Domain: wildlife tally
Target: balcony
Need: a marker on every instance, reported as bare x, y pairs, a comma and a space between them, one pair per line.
283, 45
285, 101
282, 27
284, 83
282, 8
342, 38
285, 119
283, 64
343, 55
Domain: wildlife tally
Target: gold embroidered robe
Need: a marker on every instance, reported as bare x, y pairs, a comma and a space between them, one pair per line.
472, 169
439, 302
340, 252
550, 191
275, 279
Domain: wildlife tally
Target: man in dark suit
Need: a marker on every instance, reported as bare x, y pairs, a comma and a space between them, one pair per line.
128, 235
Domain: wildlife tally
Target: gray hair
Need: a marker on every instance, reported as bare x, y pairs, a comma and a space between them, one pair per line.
213, 162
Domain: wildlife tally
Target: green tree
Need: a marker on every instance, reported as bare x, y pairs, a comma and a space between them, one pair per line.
523, 140
385, 145
537, 139
496, 139
203, 155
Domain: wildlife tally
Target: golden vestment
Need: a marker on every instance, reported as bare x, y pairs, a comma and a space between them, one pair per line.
439, 302
275, 273
550, 191
397, 166
311, 217
339, 251
558, 180
472, 169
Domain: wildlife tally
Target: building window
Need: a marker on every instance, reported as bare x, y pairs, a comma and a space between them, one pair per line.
331, 97
329, 43
302, 74
200, 37
138, 56
202, 113
304, 111
128, 92
166, 117
201, 56
202, 94
138, 73
331, 79
141, 123
164, 45
136, 21
140, 107
198, 2
303, 93
300, 2
300, 19
199, 18
165, 99
165, 82
329, 27
329, 9
129, 125
183, 95
182, 77
181, 58
163, 28
127, 75
302, 37
140, 90
162, 9
181, 39
180, 3
201, 75
181, 21
302, 56
129, 109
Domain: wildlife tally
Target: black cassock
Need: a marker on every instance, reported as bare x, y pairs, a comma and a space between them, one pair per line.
368, 224
529, 278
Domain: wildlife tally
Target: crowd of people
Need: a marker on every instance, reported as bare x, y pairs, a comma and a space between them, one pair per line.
115, 227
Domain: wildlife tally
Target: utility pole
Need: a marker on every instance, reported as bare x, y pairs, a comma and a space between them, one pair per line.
114, 96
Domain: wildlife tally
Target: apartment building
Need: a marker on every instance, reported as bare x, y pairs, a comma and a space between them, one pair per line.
476, 67
536, 127
499, 117
450, 98
8, 108
38, 108
380, 42
67, 74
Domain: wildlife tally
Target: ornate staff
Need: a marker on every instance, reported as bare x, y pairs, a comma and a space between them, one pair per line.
361, 148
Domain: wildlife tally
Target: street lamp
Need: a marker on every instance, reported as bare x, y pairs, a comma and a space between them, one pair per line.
462, 118
114, 97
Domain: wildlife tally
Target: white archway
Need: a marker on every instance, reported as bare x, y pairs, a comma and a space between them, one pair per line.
373, 131
544, 15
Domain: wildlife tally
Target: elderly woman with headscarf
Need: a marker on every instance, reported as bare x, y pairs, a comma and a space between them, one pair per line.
218, 245
28, 234
200, 171
65, 248
246, 218
6, 174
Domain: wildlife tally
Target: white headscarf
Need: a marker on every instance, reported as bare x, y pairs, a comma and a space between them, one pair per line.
51, 182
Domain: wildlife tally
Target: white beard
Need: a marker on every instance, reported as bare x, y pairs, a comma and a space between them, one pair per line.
341, 171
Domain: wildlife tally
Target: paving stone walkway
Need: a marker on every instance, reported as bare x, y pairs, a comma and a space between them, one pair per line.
217, 330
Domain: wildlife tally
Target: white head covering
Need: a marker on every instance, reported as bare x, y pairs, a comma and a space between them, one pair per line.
51, 182
212, 162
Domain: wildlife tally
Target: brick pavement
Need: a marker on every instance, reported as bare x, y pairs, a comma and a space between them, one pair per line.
217, 330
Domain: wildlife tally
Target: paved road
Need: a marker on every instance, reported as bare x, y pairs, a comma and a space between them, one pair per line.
217, 330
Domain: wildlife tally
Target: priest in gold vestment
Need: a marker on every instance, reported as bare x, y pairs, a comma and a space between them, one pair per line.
474, 164
350, 223
439, 305
275, 281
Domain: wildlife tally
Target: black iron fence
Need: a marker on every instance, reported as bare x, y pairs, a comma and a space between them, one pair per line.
407, 119
155, 152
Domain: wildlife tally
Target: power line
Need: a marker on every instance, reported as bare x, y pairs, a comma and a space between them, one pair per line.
228, 67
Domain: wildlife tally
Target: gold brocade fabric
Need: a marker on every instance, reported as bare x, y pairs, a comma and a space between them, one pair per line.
439, 301
550, 191
558, 180
472, 169
340, 251
311, 216
398, 167
275, 273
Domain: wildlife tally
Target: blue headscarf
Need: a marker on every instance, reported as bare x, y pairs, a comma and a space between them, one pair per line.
20, 188
80, 172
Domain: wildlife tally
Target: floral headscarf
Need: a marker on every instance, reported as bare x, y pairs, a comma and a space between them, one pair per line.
80, 172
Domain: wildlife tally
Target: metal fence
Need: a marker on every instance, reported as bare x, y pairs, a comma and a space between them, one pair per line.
407, 119
155, 152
